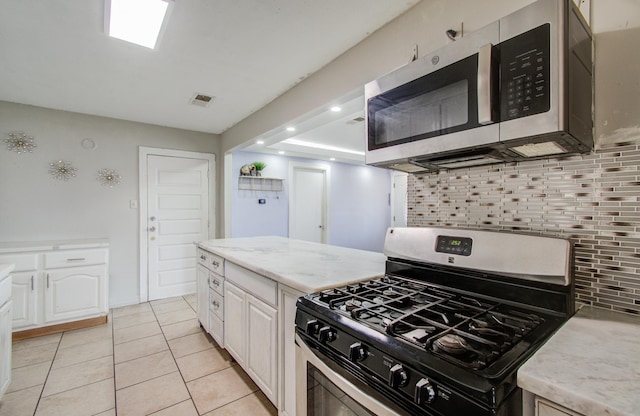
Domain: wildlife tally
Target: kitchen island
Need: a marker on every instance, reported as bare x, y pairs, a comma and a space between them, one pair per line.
591, 366
247, 290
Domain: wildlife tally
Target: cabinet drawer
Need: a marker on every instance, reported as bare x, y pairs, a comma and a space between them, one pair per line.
216, 304
65, 258
211, 261
216, 282
259, 286
22, 262
216, 328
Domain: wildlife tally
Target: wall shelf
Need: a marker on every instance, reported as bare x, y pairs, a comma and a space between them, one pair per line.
259, 183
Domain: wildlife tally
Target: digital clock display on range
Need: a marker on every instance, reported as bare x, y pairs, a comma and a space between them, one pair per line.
454, 245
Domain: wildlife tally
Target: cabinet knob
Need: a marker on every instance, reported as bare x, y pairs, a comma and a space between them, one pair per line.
216, 282
215, 264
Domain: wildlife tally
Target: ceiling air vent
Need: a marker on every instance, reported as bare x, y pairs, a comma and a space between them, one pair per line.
202, 100
356, 120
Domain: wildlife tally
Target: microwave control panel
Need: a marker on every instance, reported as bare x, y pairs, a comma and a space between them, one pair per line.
525, 74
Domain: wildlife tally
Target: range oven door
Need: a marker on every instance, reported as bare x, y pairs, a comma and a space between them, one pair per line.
323, 388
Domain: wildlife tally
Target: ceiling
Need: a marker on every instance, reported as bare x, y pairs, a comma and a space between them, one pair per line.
243, 52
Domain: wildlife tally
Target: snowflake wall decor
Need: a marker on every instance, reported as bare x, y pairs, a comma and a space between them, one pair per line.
109, 177
20, 143
62, 170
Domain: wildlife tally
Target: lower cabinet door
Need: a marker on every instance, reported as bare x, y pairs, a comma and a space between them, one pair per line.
24, 291
262, 346
5, 347
202, 295
235, 327
77, 292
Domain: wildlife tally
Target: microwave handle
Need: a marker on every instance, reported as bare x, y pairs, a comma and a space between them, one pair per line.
485, 87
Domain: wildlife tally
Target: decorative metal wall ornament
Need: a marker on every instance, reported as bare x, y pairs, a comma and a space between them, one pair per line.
62, 170
109, 177
20, 143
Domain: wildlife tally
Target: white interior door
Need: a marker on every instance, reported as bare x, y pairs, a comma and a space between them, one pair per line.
399, 199
308, 204
177, 215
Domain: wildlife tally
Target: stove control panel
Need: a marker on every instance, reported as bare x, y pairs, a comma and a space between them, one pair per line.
454, 245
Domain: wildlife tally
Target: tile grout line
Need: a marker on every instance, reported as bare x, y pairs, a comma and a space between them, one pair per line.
113, 356
174, 361
35, 411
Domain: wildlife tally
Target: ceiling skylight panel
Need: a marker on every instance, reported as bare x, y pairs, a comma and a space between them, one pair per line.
137, 21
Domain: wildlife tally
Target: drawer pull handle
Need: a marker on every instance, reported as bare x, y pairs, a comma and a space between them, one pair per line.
216, 282
203, 257
76, 259
32, 284
47, 280
215, 304
215, 264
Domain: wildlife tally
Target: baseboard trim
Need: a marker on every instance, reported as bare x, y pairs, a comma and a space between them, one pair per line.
54, 329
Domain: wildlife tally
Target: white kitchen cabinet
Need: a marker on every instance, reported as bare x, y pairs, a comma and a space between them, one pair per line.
202, 295
235, 327
210, 294
58, 282
547, 408
287, 298
262, 344
251, 326
74, 293
5, 327
25, 299
5, 347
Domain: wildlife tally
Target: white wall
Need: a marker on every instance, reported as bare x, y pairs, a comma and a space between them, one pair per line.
359, 212
34, 206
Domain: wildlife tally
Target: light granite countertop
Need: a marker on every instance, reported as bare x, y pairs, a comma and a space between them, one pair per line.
302, 265
591, 365
22, 246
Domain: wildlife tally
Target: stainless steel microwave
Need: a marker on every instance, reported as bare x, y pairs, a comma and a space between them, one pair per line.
520, 88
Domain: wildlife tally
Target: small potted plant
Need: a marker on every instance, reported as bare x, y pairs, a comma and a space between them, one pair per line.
259, 167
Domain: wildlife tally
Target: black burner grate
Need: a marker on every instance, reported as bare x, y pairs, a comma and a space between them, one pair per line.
466, 330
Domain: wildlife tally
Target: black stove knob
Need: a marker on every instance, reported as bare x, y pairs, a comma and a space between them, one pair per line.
398, 376
313, 327
327, 334
357, 352
425, 392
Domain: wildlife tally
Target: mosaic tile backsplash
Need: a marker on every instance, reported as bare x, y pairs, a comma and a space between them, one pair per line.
594, 200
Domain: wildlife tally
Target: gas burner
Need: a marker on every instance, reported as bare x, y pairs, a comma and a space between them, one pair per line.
352, 304
451, 344
391, 293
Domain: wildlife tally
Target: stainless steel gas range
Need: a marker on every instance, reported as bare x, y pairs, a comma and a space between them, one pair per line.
443, 332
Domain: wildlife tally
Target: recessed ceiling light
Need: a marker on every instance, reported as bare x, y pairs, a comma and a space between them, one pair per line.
291, 129
260, 142
336, 109
333, 158
137, 21
281, 152
322, 146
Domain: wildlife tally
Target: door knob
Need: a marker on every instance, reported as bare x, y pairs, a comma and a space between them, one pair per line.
152, 218
152, 229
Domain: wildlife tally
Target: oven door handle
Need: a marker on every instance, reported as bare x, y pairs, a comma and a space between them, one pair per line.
485, 85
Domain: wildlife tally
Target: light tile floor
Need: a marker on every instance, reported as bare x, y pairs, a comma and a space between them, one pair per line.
150, 359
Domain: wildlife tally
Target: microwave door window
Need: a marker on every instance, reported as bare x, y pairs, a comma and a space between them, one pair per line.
439, 103
426, 114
